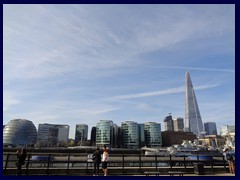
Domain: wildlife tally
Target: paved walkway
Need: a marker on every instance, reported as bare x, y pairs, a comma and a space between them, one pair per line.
215, 174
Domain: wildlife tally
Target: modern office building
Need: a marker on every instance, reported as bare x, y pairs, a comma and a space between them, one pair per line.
193, 120
119, 133
210, 128
168, 123
130, 131
153, 136
178, 124
106, 133
19, 132
141, 135
117, 140
81, 134
93, 136
50, 135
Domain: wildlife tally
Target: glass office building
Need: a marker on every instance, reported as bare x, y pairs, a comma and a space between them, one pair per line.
104, 133
193, 120
153, 136
51, 134
19, 132
130, 132
210, 128
141, 135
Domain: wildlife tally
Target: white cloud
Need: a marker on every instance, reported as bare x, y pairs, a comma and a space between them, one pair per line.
162, 92
195, 68
55, 58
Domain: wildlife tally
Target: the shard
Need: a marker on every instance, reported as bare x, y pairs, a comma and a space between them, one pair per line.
193, 120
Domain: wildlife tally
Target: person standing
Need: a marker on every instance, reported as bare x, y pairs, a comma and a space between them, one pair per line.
21, 155
96, 161
105, 160
229, 158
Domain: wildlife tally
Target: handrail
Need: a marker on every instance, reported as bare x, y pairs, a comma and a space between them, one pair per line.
120, 161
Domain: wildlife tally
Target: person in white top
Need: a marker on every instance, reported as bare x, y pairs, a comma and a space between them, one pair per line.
105, 160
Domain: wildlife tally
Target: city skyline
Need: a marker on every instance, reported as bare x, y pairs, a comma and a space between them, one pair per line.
78, 64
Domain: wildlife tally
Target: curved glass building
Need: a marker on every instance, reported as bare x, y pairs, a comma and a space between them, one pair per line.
19, 132
153, 136
104, 133
130, 131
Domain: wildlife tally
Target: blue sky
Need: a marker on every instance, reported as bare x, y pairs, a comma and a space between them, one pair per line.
73, 64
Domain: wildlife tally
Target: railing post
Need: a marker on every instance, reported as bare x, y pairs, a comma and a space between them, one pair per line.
68, 163
29, 155
170, 157
123, 162
212, 162
49, 159
184, 158
6, 163
156, 162
140, 163
87, 167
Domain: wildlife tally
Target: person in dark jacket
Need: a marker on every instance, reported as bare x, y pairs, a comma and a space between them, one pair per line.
21, 155
97, 161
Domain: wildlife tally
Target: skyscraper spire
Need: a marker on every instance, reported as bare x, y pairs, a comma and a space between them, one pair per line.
193, 120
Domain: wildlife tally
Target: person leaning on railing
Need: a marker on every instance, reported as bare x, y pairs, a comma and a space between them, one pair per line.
21, 155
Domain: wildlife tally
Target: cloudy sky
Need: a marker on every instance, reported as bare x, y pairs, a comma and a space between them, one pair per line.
73, 64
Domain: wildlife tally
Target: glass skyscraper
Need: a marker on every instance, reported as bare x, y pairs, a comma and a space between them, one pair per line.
104, 133
153, 137
130, 134
193, 120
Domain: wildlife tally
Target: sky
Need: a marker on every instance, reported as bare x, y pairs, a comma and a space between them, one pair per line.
81, 63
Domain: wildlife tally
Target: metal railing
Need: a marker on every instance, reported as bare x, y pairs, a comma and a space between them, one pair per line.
80, 164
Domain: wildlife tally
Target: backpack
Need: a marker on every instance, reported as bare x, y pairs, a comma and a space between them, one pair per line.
229, 157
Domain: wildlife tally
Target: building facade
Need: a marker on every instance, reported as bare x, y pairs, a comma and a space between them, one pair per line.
105, 133
81, 134
178, 124
19, 132
130, 131
141, 135
168, 123
210, 128
50, 135
193, 120
152, 132
93, 136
